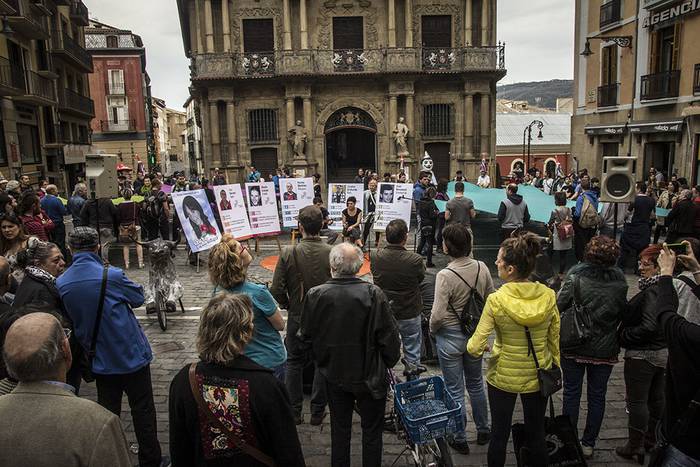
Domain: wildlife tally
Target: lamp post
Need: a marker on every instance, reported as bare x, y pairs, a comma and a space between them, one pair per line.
527, 138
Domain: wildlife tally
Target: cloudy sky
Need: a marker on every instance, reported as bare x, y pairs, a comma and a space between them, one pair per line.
539, 36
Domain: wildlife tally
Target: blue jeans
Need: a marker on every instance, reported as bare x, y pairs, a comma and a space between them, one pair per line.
597, 378
675, 458
411, 336
460, 369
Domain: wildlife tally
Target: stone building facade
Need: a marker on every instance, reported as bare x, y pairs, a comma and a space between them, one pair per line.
321, 85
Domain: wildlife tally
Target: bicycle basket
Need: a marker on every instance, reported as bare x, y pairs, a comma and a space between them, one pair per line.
426, 409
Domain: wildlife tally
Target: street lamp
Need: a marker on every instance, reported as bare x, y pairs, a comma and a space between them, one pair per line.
621, 41
527, 137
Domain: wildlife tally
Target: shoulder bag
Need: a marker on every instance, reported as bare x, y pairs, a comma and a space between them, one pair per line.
695, 288
575, 321
219, 425
550, 380
86, 367
565, 228
471, 313
660, 451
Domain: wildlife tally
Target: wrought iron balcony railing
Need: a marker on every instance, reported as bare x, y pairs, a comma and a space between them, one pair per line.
67, 46
114, 88
12, 81
117, 126
661, 85
72, 101
607, 95
27, 20
38, 90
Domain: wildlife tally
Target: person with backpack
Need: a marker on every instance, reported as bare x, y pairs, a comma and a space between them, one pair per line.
562, 228
513, 213
156, 212
637, 233
460, 291
586, 219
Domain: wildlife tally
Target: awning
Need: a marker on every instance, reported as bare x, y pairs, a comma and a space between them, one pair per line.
604, 129
665, 126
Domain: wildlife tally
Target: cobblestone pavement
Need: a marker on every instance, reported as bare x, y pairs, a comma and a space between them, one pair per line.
175, 348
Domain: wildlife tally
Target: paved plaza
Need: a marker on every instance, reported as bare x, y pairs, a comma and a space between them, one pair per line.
176, 347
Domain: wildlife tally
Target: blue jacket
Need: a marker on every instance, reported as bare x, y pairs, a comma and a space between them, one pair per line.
122, 346
592, 197
418, 191
75, 205
54, 208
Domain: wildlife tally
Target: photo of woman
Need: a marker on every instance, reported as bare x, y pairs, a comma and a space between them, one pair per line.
201, 226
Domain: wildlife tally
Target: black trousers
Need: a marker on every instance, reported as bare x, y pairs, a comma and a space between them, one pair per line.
581, 238
644, 384
369, 223
139, 392
502, 404
298, 356
427, 240
341, 403
562, 259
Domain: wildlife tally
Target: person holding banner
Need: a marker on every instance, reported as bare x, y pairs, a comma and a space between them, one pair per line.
352, 219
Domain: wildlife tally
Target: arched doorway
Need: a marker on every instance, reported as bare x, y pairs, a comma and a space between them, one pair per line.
350, 144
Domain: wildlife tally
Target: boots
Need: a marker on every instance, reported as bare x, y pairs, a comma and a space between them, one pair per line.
634, 449
650, 435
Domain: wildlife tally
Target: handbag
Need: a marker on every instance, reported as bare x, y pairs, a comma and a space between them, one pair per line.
220, 426
563, 445
471, 313
575, 322
659, 452
127, 232
565, 230
550, 380
89, 356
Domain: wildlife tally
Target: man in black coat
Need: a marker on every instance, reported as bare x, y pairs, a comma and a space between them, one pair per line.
354, 340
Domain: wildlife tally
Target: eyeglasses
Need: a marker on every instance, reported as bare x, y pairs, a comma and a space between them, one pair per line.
646, 264
67, 332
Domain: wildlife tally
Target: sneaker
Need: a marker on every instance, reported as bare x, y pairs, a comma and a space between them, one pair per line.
317, 419
483, 438
461, 446
587, 451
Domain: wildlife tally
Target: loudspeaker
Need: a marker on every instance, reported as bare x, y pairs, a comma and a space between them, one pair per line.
101, 174
618, 182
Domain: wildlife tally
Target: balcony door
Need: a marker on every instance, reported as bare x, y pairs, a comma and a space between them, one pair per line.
258, 35
665, 44
116, 81
348, 33
436, 31
118, 111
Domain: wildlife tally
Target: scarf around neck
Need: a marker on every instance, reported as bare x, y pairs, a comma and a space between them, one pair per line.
646, 282
40, 274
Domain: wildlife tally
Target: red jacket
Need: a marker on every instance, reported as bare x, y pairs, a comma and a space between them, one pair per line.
38, 225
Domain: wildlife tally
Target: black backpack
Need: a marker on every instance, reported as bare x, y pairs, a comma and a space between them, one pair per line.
152, 207
471, 313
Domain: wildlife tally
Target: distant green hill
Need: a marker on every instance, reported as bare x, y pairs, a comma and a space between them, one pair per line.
538, 93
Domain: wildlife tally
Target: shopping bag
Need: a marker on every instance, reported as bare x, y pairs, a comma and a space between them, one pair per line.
563, 446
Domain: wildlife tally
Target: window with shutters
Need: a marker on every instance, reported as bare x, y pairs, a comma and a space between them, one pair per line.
262, 125
348, 32
258, 35
609, 65
436, 31
116, 81
665, 45
438, 120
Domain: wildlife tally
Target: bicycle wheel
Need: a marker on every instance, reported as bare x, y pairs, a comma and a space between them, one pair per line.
434, 454
161, 311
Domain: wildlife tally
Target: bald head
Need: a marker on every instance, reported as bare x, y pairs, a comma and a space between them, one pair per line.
36, 349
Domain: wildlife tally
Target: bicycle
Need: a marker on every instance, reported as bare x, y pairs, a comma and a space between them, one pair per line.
423, 415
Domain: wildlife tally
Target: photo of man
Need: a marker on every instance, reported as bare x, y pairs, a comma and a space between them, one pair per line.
338, 194
289, 195
386, 193
254, 198
224, 204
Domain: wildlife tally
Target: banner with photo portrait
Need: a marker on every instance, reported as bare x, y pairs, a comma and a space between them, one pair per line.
295, 193
197, 219
262, 208
394, 202
338, 194
231, 205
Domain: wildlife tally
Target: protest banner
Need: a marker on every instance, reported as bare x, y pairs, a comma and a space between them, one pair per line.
232, 211
262, 208
338, 194
395, 201
197, 219
295, 193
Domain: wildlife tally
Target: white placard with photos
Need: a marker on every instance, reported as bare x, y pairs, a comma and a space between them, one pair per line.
262, 208
338, 194
394, 202
295, 193
232, 211
197, 219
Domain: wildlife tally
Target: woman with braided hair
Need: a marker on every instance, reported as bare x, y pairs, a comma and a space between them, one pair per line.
228, 266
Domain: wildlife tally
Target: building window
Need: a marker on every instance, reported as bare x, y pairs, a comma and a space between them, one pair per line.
665, 44
436, 31
29, 146
262, 125
438, 120
258, 35
118, 112
607, 92
112, 42
115, 79
348, 32
610, 149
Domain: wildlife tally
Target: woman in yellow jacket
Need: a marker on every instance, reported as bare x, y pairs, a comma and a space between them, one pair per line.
511, 369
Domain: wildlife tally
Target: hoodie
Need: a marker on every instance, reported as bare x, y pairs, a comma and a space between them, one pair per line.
418, 191
515, 305
513, 212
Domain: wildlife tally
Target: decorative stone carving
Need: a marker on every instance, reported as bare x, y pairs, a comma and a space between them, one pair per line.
480, 58
240, 14
213, 66
259, 63
438, 58
400, 135
445, 8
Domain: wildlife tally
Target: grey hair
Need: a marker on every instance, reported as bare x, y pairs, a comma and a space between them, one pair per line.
346, 260
80, 188
37, 252
42, 364
686, 194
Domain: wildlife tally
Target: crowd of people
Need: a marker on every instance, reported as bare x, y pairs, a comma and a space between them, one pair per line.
241, 402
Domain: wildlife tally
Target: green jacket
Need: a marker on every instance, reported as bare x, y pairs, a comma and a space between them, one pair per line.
399, 273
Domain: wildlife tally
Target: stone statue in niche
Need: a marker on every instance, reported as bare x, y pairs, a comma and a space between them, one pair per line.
400, 135
297, 137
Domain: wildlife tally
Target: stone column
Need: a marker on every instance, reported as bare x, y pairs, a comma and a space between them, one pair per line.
214, 134
468, 126
290, 112
485, 125
226, 25
485, 22
410, 123
309, 125
303, 28
391, 13
209, 26
408, 13
467, 22
286, 26
393, 117
233, 158
198, 26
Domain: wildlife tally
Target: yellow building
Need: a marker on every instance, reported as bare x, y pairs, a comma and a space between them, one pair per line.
637, 84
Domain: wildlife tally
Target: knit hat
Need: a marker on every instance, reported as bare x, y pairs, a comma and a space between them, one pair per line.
12, 185
83, 238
